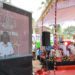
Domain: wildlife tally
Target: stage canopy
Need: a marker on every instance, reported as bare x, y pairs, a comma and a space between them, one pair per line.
65, 13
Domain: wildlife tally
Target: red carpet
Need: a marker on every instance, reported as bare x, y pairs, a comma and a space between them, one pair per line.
58, 72
61, 70
70, 67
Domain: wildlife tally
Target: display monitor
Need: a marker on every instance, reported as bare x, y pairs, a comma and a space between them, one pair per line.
15, 32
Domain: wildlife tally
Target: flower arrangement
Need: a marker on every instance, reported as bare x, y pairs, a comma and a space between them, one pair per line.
65, 58
51, 58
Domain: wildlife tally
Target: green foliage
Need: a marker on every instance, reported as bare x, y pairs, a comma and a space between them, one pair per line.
38, 44
65, 58
69, 30
59, 29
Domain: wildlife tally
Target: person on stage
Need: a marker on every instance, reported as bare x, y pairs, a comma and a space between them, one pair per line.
48, 50
63, 47
71, 47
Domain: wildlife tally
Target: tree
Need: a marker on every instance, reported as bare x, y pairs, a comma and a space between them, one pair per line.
59, 29
69, 30
46, 2
6, 1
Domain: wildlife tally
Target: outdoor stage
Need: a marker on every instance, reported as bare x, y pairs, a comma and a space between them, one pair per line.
64, 65
61, 70
58, 72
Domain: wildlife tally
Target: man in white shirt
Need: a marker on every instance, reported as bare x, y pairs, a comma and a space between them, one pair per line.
72, 48
63, 47
6, 47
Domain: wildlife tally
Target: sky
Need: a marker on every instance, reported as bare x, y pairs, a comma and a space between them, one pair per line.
30, 5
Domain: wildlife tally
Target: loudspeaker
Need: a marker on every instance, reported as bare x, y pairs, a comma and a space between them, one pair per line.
45, 38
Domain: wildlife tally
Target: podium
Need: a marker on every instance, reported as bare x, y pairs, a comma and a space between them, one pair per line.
16, 66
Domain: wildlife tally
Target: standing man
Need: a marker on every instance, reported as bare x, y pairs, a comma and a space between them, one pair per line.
63, 47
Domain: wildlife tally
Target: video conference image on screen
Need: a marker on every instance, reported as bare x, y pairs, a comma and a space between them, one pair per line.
14, 34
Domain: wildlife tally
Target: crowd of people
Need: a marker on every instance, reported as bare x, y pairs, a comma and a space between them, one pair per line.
67, 50
47, 51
